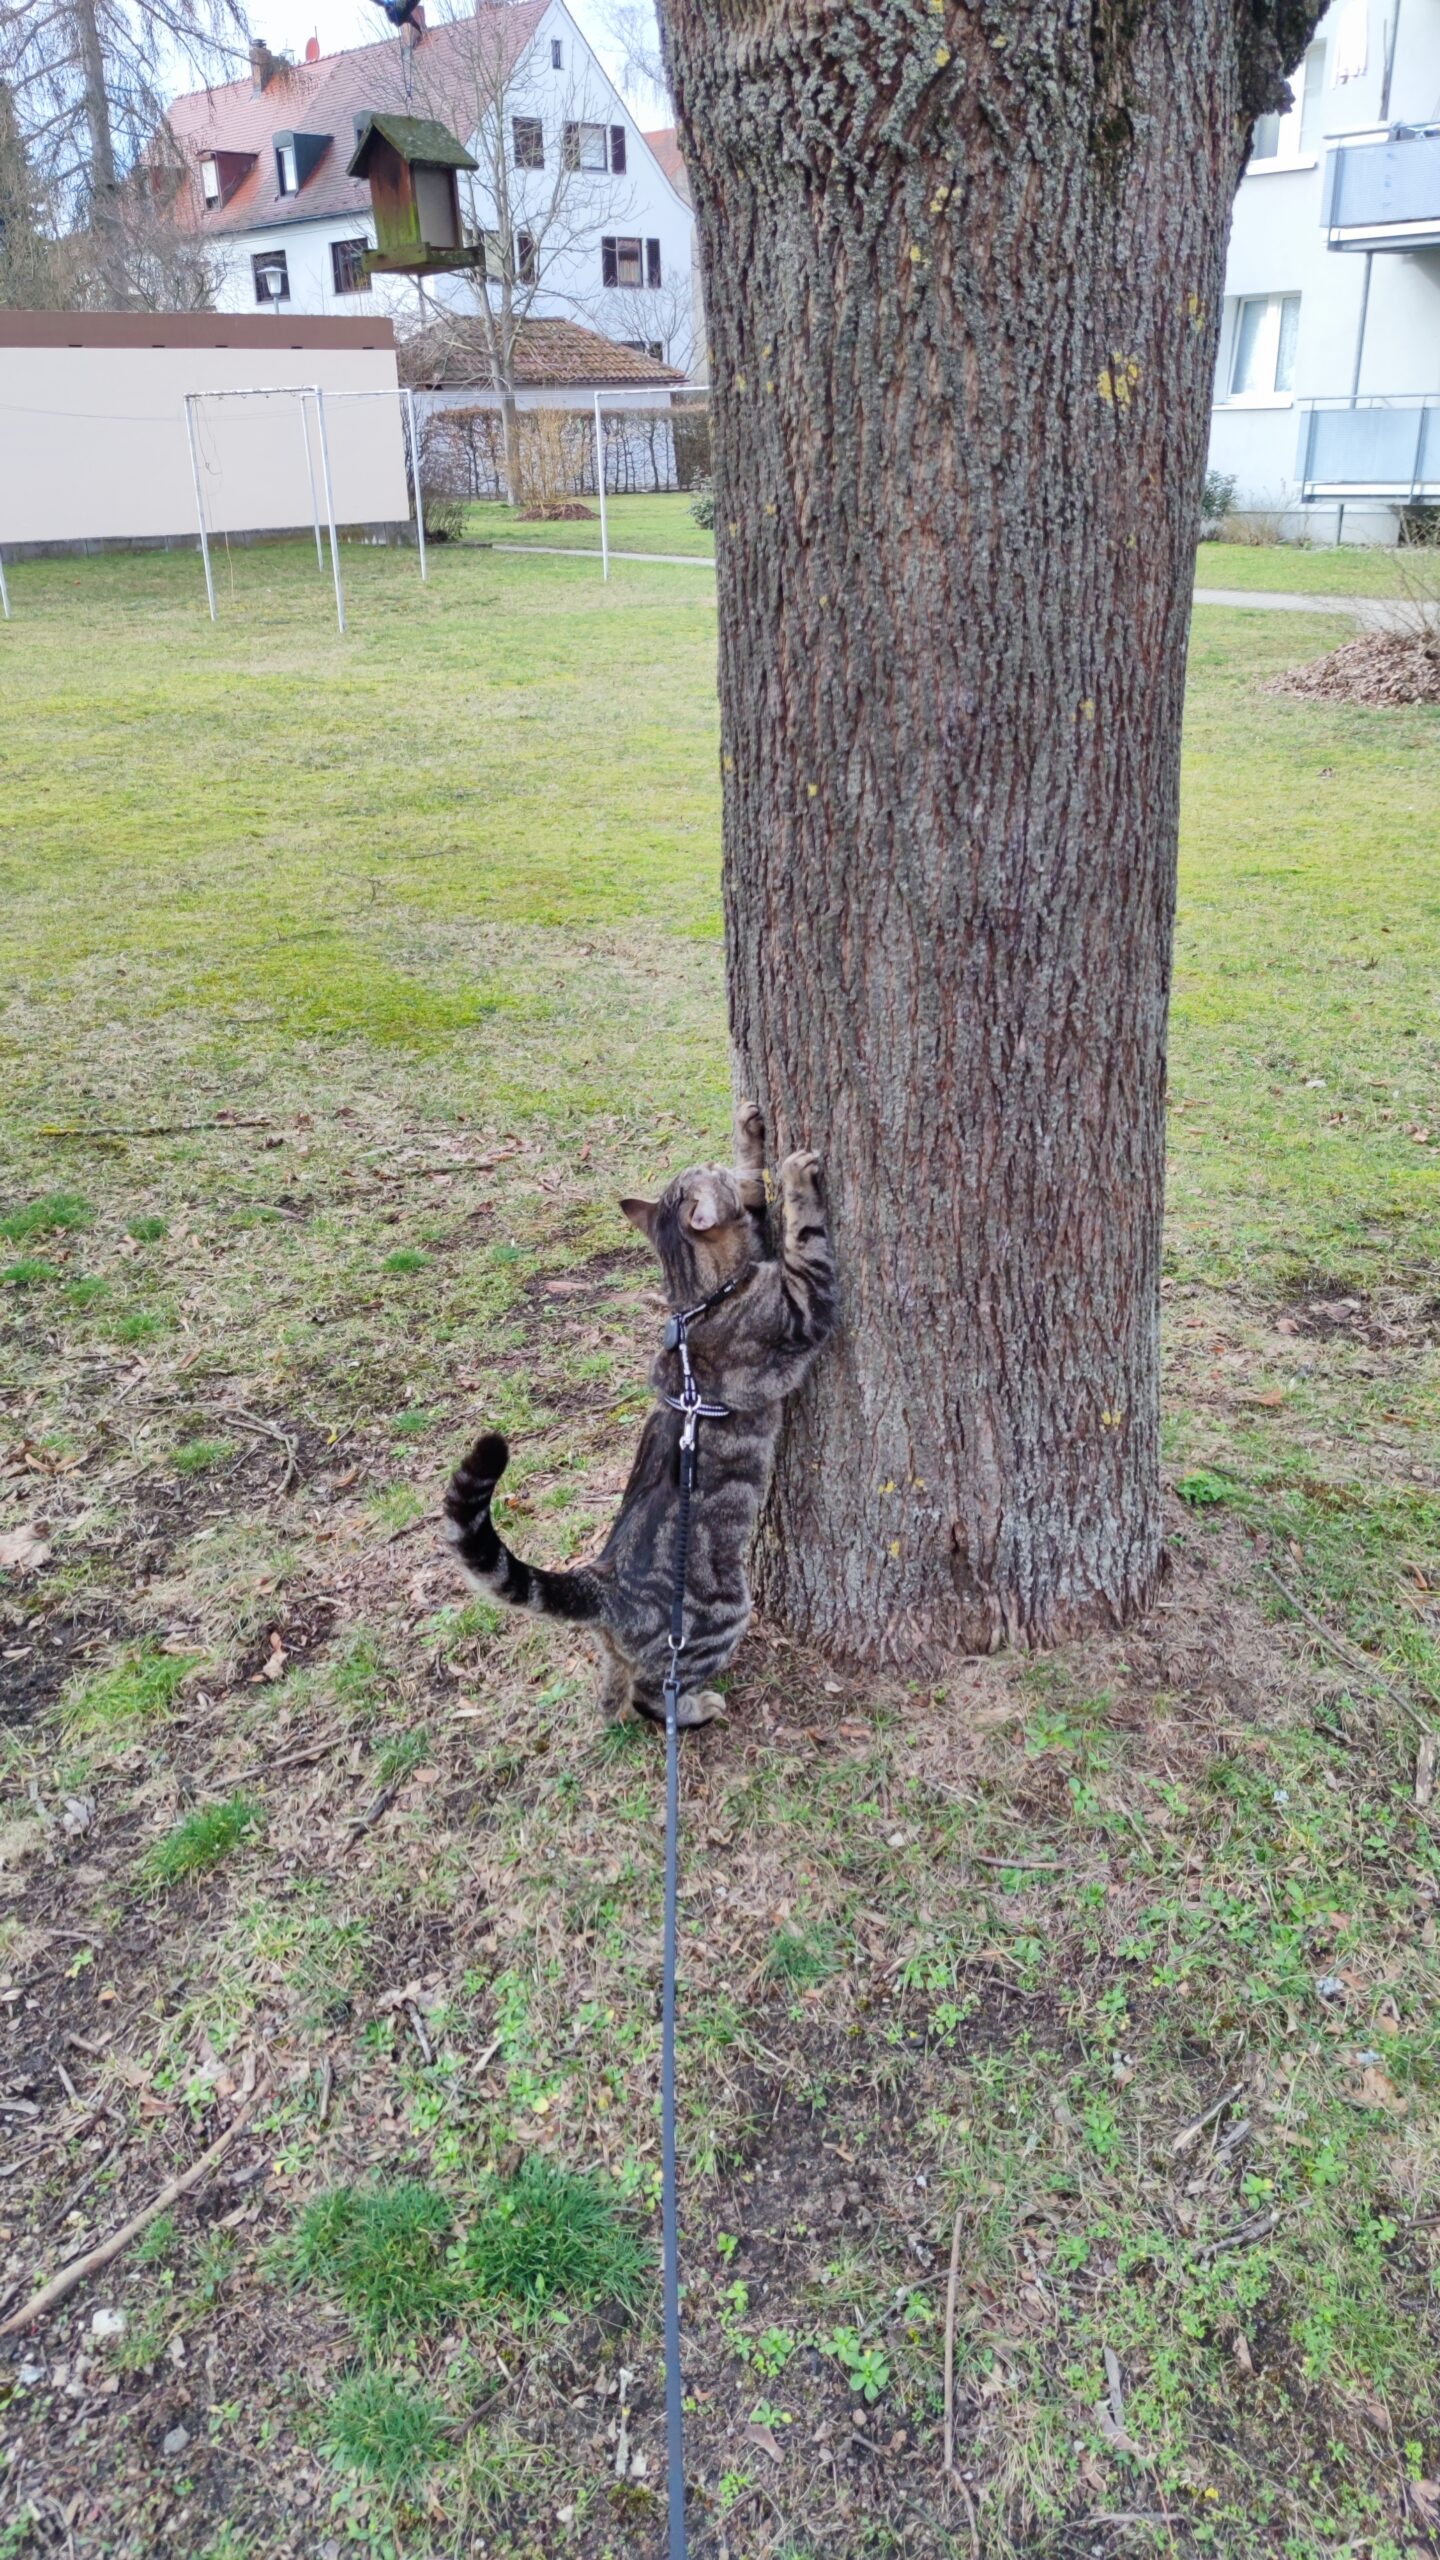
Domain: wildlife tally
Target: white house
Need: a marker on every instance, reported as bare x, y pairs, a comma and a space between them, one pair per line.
1327, 400
266, 184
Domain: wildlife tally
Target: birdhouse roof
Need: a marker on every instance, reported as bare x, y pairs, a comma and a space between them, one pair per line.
418, 139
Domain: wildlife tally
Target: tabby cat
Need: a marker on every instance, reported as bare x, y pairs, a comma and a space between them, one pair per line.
711, 1231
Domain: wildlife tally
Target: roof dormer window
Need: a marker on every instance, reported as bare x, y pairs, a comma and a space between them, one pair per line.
297, 157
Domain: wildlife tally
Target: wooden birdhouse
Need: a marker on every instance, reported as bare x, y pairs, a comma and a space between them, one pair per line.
411, 166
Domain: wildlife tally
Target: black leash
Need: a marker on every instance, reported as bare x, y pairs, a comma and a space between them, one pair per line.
692, 1407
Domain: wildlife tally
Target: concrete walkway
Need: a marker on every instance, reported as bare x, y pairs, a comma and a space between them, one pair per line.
1376, 613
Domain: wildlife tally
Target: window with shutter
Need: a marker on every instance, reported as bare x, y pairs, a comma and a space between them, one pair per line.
617, 149
652, 262
585, 146
609, 262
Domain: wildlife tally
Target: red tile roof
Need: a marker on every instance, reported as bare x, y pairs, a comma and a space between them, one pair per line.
666, 146
452, 68
549, 355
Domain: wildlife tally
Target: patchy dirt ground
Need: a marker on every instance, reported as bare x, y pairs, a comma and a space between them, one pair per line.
330, 1042
1113, 1970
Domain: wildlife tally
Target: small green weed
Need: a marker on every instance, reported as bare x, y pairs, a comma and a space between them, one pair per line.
384, 2429
395, 1506
400, 1757
53, 1213
159, 2243
27, 1274
134, 1691
413, 1424
406, 1257
200, 1841
360, 1680
453, 1626
867, 2367
803, 1957
147, 1230
1202, 1489
772, 2352
142, 1324
385, 2251
87, 1293
230, 2544
555, 2234
194, 1457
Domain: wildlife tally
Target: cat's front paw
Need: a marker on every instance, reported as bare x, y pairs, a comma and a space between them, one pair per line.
750, 1129
800, 1172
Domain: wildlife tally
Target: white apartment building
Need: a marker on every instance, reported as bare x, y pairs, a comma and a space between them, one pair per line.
1327, 399
601, 225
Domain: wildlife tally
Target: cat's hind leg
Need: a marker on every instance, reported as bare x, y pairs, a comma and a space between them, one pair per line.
614, 1682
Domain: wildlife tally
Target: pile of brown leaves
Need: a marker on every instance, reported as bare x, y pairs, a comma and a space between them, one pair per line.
1385, 670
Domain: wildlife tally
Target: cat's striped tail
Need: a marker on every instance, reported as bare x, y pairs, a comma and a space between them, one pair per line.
486, 1558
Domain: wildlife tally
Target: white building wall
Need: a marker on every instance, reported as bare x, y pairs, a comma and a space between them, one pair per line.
93, 442
641, 203
1279, 247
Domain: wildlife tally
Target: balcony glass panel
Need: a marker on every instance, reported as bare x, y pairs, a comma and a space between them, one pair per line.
1385, 183
1373, 448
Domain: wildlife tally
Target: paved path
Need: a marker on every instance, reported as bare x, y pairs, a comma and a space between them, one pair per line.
1377, 613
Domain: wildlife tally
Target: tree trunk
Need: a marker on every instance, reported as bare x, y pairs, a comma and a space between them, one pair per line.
510, 441
104, 182
963, 272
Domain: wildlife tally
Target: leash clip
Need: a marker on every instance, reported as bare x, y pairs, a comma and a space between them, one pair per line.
689, 1401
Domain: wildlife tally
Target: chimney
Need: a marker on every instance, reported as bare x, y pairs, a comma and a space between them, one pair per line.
312, 49
262, 64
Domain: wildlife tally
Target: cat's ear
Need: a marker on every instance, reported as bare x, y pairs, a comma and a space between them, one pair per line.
641, 1214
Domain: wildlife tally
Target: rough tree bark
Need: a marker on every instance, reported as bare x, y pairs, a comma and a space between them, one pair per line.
963, 269
104, 179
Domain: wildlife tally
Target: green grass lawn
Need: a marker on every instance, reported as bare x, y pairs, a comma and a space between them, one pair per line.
346, 985
1348, 569
664, 524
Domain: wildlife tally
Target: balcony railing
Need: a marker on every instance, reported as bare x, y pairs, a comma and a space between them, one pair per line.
1382, 190
1371, 448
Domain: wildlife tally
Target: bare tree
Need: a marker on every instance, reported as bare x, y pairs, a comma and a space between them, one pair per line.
548, 169
634, 31
661, 319
963, 276
87, 79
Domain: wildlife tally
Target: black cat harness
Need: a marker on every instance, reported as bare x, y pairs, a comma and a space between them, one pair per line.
694, 1410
